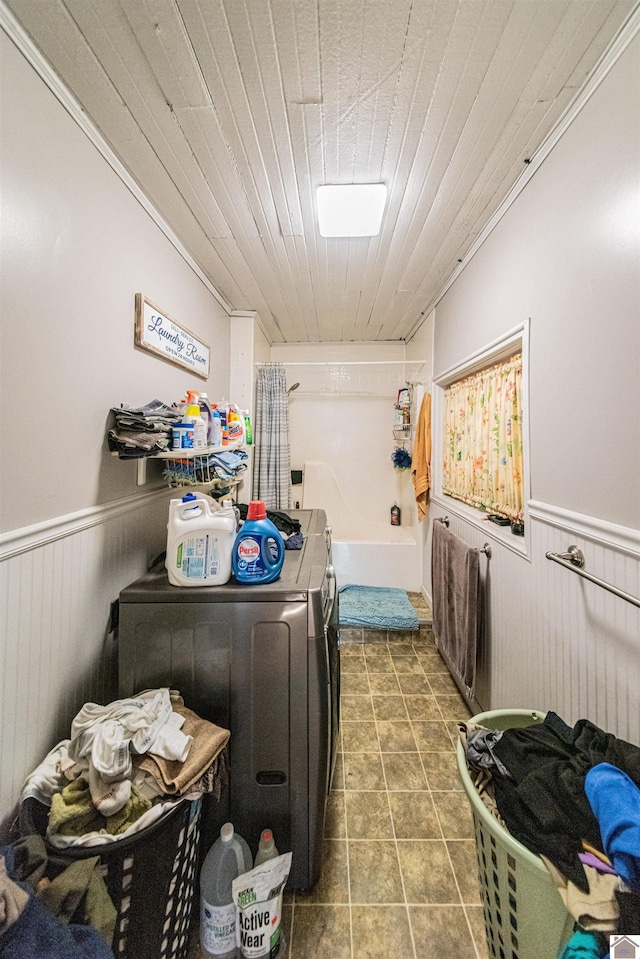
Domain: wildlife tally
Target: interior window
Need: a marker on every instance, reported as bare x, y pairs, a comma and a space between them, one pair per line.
483, 461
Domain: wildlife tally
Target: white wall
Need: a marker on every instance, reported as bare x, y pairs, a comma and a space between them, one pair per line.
248, 346
420, 347
350, 430
566, 255
77, 247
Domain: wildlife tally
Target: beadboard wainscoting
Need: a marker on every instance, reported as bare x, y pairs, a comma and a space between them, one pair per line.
57, 583
553, 640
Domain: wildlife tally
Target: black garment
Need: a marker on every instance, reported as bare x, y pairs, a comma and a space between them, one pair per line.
282, 521
629, 904
543, 801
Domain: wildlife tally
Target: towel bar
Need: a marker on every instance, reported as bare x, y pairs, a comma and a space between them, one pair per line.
573, 559
486, 549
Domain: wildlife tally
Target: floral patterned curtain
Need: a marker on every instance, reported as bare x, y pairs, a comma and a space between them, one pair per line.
483, 459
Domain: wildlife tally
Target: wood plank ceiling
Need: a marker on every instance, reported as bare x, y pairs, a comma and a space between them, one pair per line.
229, 114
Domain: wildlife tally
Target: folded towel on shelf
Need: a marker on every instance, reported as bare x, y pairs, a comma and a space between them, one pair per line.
154, 416
224, 465
143, 430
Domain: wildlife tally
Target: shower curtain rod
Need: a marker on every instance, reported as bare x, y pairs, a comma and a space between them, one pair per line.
341, 363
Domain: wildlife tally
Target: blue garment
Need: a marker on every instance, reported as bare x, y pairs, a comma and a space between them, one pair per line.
615, 801
585, 945
37, 933
295, 541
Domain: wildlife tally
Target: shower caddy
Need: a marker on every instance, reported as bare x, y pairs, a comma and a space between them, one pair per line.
402, 430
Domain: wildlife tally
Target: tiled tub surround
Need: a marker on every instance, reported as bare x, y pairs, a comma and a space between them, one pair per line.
399, 872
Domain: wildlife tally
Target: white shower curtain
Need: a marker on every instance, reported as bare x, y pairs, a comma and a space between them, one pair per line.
272, 469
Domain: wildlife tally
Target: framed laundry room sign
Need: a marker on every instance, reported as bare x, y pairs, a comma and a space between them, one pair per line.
158, 333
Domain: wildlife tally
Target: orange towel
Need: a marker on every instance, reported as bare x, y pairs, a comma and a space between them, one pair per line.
421, 460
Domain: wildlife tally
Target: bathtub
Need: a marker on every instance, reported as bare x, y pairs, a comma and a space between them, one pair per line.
377, 556
366, 554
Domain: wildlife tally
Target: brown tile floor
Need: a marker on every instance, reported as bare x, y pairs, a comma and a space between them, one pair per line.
399, 873
399, 869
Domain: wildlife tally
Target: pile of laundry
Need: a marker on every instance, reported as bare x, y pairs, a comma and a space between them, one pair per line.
289, 528
125, 765
572, 796
142, 431
45, 911
224, 465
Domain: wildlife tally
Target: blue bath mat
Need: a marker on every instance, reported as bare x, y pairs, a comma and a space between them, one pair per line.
377, 607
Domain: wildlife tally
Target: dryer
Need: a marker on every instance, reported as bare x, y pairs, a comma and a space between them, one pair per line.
262, 661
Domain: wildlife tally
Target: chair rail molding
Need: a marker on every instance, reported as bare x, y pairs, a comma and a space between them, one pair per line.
18, 541
624, 539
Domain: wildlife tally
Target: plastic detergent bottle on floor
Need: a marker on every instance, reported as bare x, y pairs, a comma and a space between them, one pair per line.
228, 858
266, 848
199, 542
258, 551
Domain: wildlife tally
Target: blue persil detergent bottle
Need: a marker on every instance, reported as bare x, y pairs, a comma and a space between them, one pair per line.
258, 551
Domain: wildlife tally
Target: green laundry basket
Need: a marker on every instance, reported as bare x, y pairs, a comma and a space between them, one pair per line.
524, 915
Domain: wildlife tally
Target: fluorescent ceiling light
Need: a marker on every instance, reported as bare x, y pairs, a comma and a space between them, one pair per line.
351, 209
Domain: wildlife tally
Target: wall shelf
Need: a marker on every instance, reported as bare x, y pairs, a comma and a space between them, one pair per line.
180, 456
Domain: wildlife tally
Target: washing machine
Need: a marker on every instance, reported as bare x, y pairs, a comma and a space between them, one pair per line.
264, 662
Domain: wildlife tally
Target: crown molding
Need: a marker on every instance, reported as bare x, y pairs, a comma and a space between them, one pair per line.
16, 32
609, 58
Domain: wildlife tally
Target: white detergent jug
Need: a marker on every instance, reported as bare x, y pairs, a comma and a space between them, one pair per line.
199, 542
